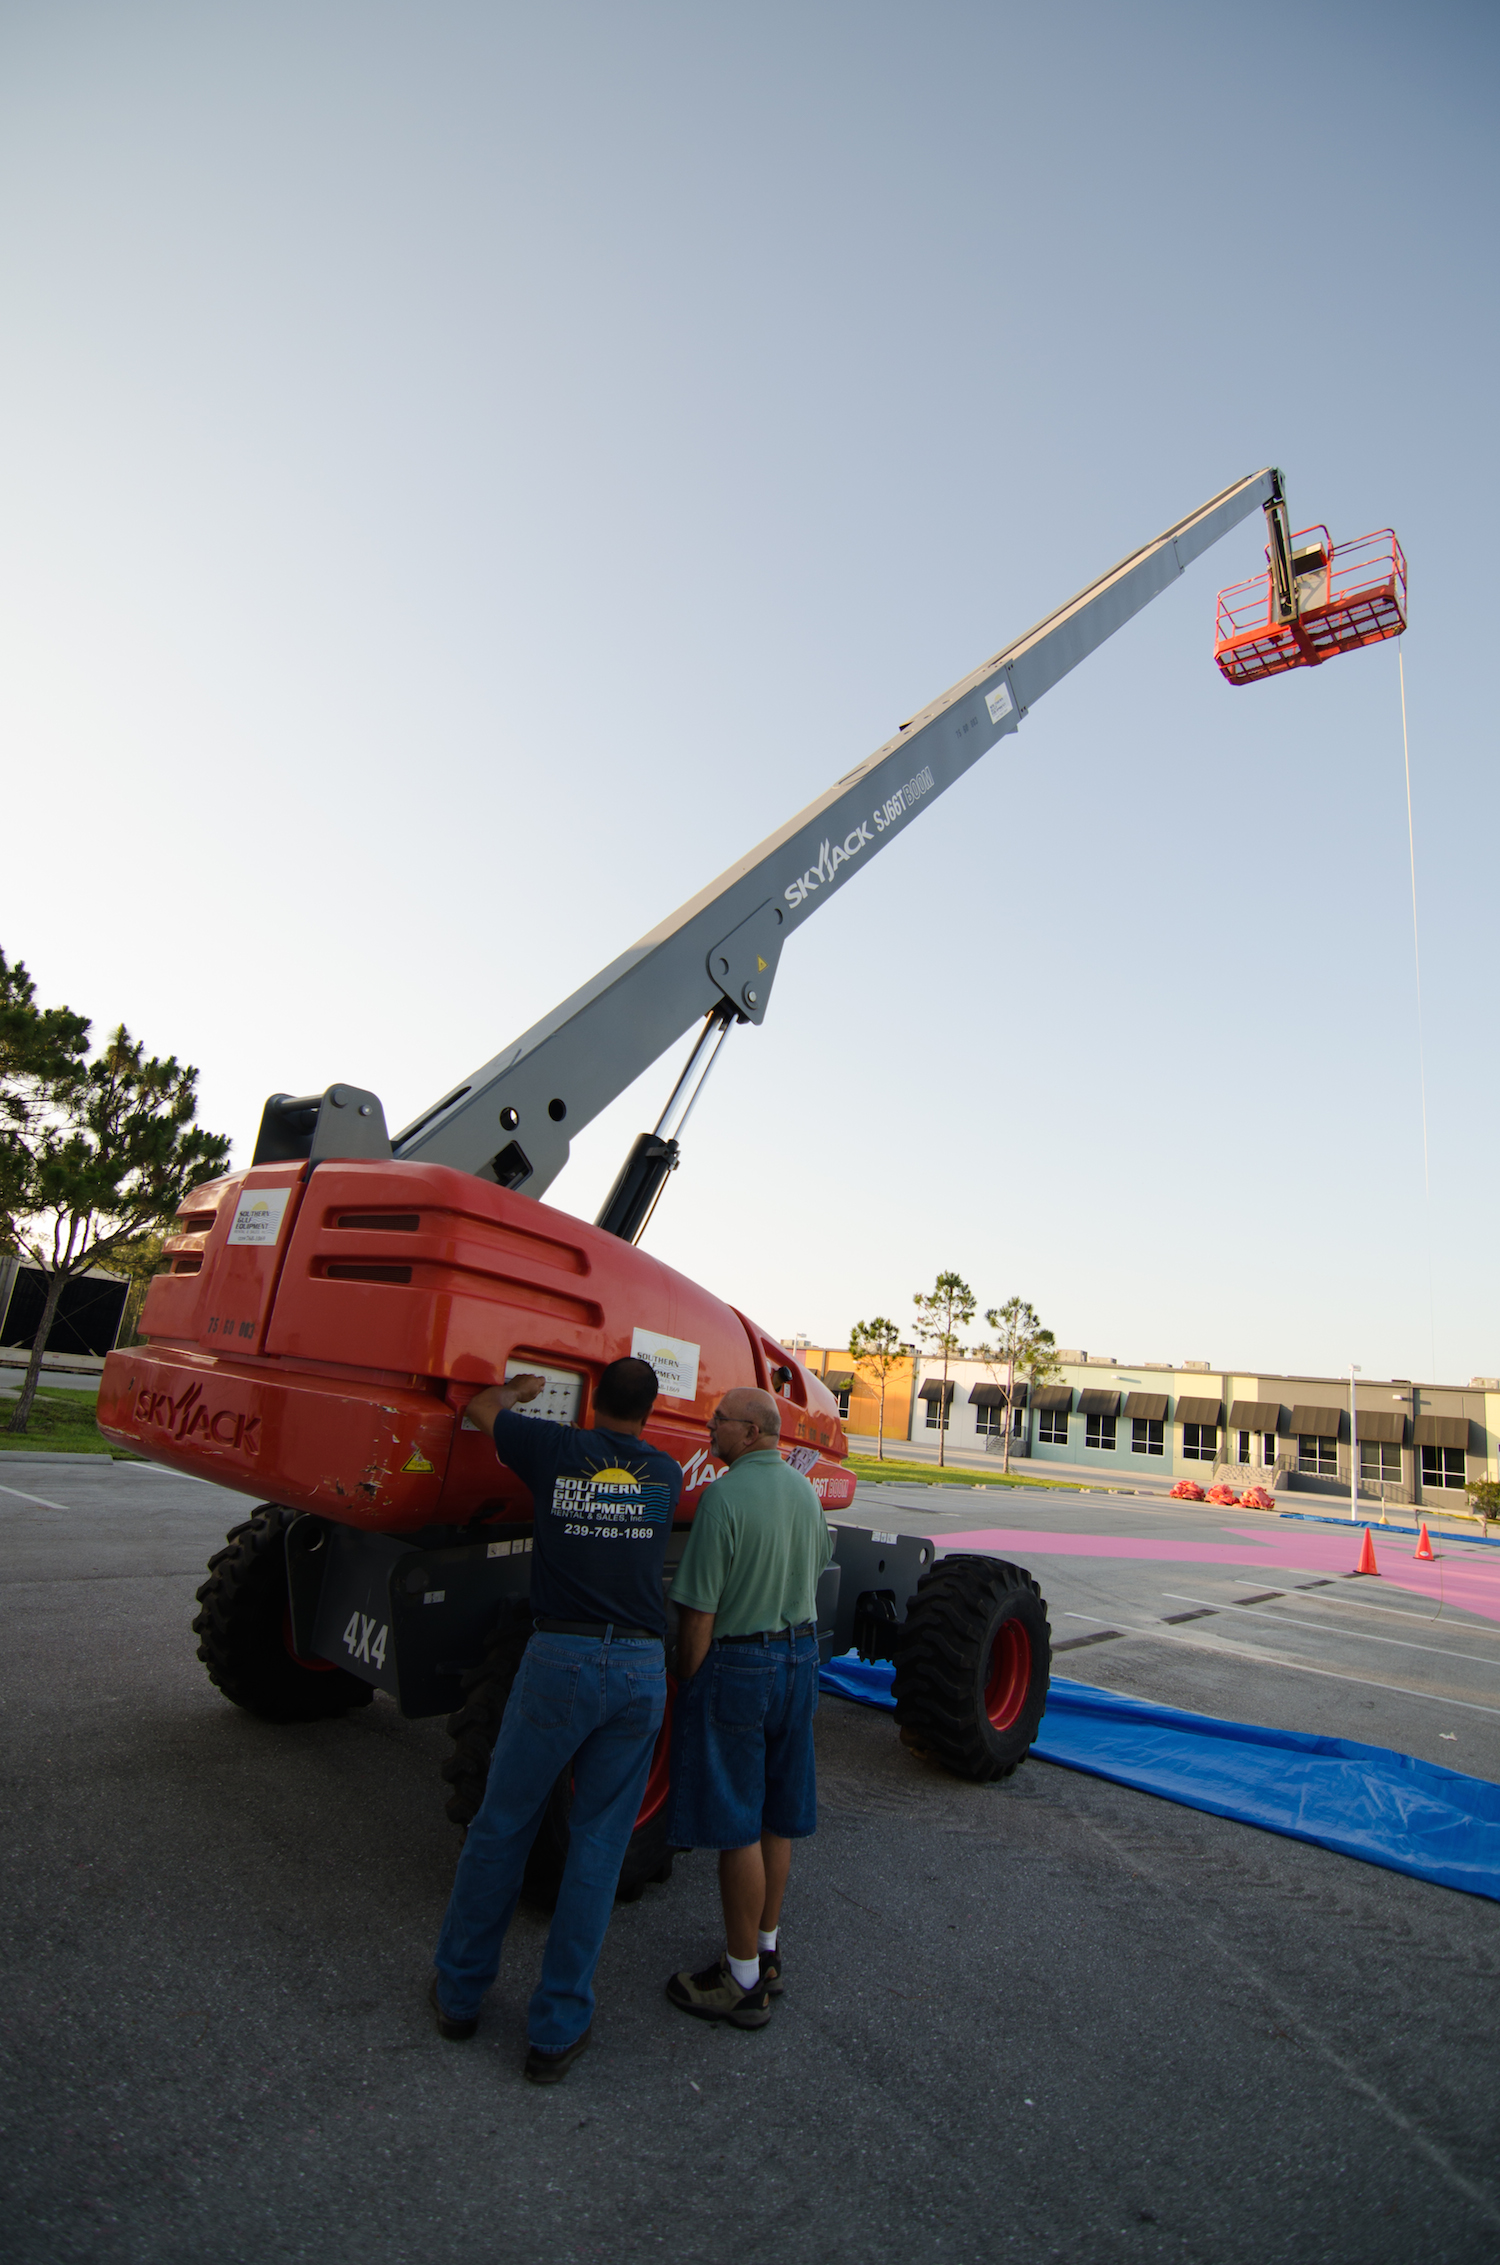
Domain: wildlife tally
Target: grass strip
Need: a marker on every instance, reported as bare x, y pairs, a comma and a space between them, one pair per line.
60, 1422
928, 1474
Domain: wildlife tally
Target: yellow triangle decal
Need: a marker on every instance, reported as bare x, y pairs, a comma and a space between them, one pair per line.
760, 967
417, 1462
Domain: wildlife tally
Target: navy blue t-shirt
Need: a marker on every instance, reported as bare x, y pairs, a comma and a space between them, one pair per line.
603, 1506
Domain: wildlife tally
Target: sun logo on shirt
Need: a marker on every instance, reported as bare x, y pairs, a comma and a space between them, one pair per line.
612, 1475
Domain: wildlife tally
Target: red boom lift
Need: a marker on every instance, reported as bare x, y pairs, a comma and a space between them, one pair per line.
327, 1314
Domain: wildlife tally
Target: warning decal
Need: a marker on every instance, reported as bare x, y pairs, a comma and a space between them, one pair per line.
417, 1462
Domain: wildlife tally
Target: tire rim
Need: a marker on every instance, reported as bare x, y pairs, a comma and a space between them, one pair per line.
659, 1783
1009, 1677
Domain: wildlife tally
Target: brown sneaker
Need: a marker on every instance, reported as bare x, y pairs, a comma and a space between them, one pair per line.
715, 1995
770, 1971
551, 2068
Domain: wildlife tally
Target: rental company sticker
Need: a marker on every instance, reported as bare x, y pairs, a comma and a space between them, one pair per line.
259, 1216
999, 703
674, 1360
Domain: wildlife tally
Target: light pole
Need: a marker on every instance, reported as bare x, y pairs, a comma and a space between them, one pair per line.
1354, 1371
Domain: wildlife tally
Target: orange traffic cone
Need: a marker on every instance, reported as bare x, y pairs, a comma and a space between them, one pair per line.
1367, 1562
1424, 1548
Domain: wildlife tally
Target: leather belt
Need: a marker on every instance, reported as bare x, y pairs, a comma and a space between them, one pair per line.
772, 1635
602, 1628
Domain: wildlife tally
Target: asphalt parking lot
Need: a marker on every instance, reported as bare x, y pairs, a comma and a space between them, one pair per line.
1050, 2020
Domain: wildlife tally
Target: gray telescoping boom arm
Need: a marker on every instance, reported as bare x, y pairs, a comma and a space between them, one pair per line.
717, 956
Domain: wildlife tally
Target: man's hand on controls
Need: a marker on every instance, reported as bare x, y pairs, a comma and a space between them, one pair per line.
495, 1398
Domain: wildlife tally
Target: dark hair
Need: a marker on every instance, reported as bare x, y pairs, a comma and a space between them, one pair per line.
627, 1388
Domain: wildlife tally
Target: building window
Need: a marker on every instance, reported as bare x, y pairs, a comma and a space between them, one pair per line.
843, 1401
933, 1423
1053, 1428
1099, 1431
1318, 1451
1442, 1466
1379, 1462
1200, 1442
1257, 1447
1146, 1436
987, 1420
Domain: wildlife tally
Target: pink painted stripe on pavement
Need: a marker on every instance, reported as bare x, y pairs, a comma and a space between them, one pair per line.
1462, 1582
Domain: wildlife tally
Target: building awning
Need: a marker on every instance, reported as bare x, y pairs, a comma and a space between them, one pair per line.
1200, 1411
1054, 1396
1376, 1424
987, 1396
1098, 1403
936, 1389
1150, 1406
1441, 1431
1316, 1423
840, 1380
1255, 1415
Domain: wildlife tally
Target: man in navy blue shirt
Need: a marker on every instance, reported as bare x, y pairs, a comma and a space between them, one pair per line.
590, 1691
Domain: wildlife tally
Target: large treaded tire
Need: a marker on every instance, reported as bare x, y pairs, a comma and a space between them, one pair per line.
973, 1662
243, 1630
475, 1726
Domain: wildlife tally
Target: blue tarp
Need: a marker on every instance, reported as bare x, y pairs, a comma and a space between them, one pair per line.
1365, 1801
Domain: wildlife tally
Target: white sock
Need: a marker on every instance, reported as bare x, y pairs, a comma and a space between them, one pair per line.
746, 1971
766, 1938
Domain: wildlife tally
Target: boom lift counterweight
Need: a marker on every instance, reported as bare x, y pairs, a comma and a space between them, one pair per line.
327, 1314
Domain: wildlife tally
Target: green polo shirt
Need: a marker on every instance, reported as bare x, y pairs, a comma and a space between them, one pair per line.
758, 1543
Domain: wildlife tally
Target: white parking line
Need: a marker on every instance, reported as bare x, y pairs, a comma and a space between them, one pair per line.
1221, 1649
164, 1471
1332, 1593
1321, 1628
39, 1499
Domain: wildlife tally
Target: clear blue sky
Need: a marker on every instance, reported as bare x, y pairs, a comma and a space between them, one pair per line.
472, 470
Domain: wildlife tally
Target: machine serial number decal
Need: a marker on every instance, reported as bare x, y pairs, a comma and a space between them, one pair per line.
883, 1537
361, 1640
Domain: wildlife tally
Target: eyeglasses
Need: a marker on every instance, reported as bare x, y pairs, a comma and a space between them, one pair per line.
748, 1421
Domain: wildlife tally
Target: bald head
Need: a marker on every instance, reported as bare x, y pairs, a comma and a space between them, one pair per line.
744, 1421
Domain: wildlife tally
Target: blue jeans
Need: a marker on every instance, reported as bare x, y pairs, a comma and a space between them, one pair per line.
596, 1703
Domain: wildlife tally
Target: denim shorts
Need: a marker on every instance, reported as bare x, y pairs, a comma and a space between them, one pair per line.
742, 1746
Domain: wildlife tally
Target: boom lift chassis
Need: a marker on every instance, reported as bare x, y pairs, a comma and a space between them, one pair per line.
327, 1314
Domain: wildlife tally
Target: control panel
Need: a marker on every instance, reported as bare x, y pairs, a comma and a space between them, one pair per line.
562, 1402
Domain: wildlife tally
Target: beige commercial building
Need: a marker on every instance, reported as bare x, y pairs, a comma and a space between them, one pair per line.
1415, 1442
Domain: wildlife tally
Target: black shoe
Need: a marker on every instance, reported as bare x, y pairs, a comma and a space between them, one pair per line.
456, 2032
551, 2068
770, 1971
715, 1995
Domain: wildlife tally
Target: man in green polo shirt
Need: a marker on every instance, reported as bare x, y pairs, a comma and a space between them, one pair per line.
743, 1777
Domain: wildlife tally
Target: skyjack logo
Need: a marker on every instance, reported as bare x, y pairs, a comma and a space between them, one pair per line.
699, 1469
829, 861
834, 854
189, 1417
